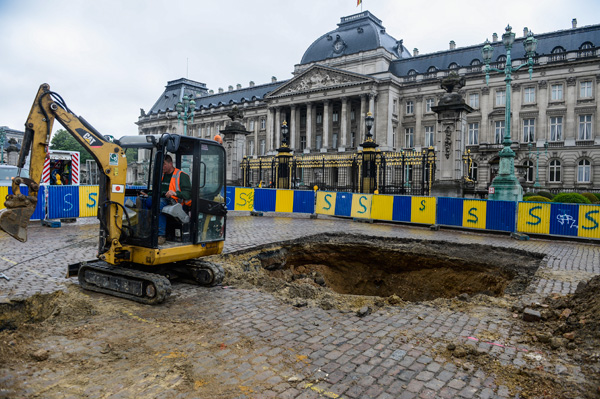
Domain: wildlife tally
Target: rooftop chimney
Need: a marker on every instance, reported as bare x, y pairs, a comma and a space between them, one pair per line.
494, 37
220, 90
230, 88
574, 23
251, 83
273, 79
525, 31
415, 52
238, 86
211, 92
452, 44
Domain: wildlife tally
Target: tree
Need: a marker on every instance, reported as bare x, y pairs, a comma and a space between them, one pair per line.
62, 140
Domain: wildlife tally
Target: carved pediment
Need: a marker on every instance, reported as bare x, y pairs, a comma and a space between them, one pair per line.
318, 78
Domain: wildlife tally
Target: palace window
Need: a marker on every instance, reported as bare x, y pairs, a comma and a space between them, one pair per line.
583, 171
528, 166
585, 89
585, 127
556, 124
474, 100
302, 143
352, 115
319, 141
336, 117
558, 54
319, 118
473, 171
528, 130
498, 132
409, 137
428, 104
586, 50
263, 124
473, 138
410, 107
557, 92
395, 107
251, 147
554, 170
500, 98
263, 147
334, 140
529, 95
429, 136
252, 124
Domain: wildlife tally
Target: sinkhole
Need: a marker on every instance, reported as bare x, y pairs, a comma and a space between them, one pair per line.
413, 270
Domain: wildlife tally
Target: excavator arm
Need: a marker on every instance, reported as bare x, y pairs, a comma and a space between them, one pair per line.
48, 107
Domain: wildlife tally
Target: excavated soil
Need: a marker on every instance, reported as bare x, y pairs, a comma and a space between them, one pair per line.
346, 272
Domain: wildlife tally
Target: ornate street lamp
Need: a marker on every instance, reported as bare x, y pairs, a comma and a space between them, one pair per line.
2, 143
506, 185
369, 157
537, 184
284, 134
283, 160
369, 121
185, 111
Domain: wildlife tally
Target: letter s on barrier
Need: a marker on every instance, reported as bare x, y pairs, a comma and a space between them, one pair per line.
92, 199
422, 203
362, 205
243, 198
539, 219
68, 203
327, 196
472, 214
588, 217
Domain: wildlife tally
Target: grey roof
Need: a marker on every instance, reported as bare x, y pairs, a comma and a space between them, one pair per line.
570, 40
355, 33
175, 90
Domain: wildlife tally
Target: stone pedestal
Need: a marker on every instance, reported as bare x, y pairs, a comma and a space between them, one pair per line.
234, 141
450, 140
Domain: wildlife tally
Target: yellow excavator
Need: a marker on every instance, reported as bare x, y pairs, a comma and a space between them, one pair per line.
130, 262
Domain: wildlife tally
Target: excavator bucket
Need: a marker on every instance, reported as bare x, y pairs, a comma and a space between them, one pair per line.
14, 221
19, 208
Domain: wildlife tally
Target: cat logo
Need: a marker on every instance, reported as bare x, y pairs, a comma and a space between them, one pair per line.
87, 136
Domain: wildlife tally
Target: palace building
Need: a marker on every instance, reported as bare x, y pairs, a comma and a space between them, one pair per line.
359, 67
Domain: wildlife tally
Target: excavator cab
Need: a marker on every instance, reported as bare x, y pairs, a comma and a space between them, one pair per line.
199, 220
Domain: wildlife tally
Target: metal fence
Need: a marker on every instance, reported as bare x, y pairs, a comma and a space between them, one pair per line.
405, 172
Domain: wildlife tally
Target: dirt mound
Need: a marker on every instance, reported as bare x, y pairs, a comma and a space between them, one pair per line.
577, 317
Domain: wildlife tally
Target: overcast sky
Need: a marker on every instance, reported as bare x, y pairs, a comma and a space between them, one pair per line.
109, 58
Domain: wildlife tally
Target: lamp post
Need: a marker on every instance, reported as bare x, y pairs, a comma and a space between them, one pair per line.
369, 157
284, 157
185, 111
2, 142
506, 186
537, 184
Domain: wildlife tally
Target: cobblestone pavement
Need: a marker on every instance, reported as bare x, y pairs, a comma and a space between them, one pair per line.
289, 352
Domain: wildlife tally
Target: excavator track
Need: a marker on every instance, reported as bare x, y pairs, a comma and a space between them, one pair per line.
138, 286
201, 272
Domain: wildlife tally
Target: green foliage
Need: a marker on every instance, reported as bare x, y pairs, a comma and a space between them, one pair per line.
63, 140
546, 194
597, 196
593, 199
536, 198
571, 198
